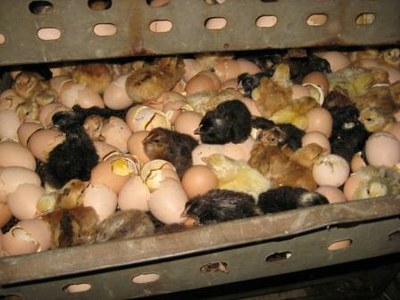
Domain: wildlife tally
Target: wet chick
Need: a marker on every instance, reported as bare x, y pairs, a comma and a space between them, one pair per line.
75, 157
237, 175
124, 224
220, 206
229, 122
172, 146
348, 133
287, 198
375, 119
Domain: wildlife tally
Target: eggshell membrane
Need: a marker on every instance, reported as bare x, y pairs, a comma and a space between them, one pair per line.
316, 137
10, 100
116, 133
187, 122
27, 236
135, 145
199, 180
320, 119
5, 214
319, 79
78, 94
134, 195
102, 198
26, 130
382, 149
103, 149
330, 169
22, 202
115, 96
203, 81
49, 110
337, 60
357, 162
43, 141
15, 154
167, 203
9, 124
332, 193
12, 177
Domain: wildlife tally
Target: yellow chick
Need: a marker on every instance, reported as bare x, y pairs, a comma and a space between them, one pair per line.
375, 119
237, 175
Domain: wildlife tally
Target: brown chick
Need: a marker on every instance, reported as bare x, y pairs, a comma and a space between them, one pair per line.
381, 97
273, 94
375, 119
95, 76
172, 146
151, 81
280, 164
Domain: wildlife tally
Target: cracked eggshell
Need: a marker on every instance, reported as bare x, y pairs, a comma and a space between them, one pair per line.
26, 130
115, 96
102, 198
134, 195
103, 149
156, 171
23, 201
9, 124
43, 141
78, 94
16, 154
116, 133
143, 117
330, 169
47, 112
27, 236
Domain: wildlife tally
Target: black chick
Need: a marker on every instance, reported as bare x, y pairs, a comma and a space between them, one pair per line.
293, 135
348, 133
230, 121
172, 146
218, 206
286, 198
75, 157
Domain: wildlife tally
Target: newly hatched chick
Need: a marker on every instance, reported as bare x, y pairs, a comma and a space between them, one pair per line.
237, 175
377, 182
75, 157
229, 122
348, 133
375, 119
383, 97
151, 81
124, 224
220, 206
172, 146
96, 76
287, 198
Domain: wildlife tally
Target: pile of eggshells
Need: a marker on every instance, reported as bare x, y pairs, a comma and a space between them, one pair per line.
125, 178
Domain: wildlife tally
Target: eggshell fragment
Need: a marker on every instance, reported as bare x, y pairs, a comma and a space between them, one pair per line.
203, 81
319, 79
332, 193
116, 133
115, 96
5, 214
103, 149
15, 154
102, 198
49, 110
26, 130
135, 145
43, 141
142, 117
330, 169
9, 100
9, 124
22, 202
134, 195
382, 149
357, 162
78, 94
187, 122
336, 59
199, 180
316, 137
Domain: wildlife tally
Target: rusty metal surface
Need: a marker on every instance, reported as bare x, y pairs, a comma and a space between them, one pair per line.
179, 259
75, 21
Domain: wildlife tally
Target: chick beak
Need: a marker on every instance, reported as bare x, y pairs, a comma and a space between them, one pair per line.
197, 131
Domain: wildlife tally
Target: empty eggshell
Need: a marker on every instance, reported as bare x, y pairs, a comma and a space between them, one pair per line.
115, 96
9, 124
134, 195
22, 202
330, 169
10, 100
43, 141
142, 117
317, 78
156, 171
135, 145
316, 137
299, 91
5, 214
191, 68
15, 154
78, 94
203, 81
47, 111
116, 132
103, 149
320, 119
336, 59
26, 130
102, 198
357, 162
382, 149
199, 180
187, 122
332, 193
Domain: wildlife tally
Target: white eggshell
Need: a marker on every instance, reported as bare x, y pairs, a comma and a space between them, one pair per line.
15, 154
330, 169
115, 96
168, 202
9, 124
134, 195
102, 198
22, 202
382, 149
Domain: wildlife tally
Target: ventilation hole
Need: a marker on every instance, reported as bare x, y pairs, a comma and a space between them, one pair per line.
215, 23
394, 236
266, 21
339, 245
99, 4
2, 38
77, 288
217, 266
40, 7
226, 46
278, 256
105, 29
317, 19
145, 278
157, 3
49, 34
160, 26
365, 19
212, 2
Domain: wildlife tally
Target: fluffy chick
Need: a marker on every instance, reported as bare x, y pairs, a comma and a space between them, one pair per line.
172, 146
230, 121
383, 97
377, 182
96, 76
220, 206
287, 198
75, 157
152, 80
237, 175
124, 224
375, 119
